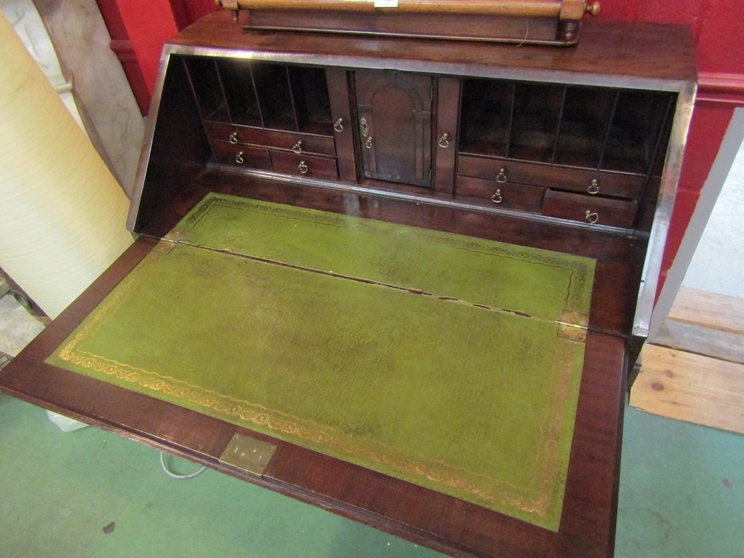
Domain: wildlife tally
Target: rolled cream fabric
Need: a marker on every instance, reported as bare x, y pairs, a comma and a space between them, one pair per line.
62, 213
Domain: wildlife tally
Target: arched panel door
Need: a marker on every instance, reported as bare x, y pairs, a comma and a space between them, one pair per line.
394, 111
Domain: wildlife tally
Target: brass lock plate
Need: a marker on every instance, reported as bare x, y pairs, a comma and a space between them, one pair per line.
248, 454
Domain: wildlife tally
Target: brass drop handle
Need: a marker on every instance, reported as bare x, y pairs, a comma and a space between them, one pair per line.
497, 197
239, 158
501, 177
593, 187
445, 140
297, 147
303, 167
234, 138
591, 217
368, 143
339, 125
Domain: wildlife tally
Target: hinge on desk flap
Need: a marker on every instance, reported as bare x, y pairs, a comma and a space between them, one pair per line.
248, 454
164, 246
572, 326
175, 236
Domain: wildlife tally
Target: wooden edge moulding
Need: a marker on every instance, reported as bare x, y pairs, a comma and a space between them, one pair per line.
546, 22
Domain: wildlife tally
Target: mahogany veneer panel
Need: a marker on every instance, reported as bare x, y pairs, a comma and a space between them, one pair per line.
606, 49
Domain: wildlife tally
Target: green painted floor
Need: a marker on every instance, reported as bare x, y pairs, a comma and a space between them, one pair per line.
682, 495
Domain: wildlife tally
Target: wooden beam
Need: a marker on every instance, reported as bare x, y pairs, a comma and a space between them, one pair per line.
690, 387
714, 311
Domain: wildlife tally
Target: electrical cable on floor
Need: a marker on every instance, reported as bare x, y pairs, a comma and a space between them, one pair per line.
175, 475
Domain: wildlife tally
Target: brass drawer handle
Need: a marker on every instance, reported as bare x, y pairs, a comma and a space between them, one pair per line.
297, 147
368, 143
339, 125
501, 177
593, 187
591, 217
239, 158
445, 140
497, 197
303, 167
234, 138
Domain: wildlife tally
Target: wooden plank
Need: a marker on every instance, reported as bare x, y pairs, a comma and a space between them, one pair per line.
700, 340
689, 387
725, 313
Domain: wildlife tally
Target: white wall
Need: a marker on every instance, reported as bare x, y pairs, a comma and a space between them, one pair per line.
717, 265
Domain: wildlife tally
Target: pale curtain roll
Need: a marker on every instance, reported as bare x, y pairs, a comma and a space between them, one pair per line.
62, 213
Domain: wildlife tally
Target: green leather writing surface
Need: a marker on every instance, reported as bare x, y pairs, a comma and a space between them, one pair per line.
398, 364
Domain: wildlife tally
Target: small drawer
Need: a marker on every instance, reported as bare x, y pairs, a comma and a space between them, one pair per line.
304, 165
587, 181
514, 196
587, 209
291, 141
242, 155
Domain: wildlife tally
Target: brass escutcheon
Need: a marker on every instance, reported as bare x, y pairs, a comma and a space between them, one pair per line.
297, 147
444, 141
339, 125
234, 138
501, 177
239, 158
497, 197
591, 217
303, 167
593, 187
364, 127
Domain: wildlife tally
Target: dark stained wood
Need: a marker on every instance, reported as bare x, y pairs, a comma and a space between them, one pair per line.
577, 180
455, 26
241, 155
516, 196
314, 144
420, 515
628, 52
445, 138
394, 125
303, 165
589, 209
338, 91
179, 150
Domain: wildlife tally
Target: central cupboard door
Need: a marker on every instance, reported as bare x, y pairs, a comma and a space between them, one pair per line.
394, 110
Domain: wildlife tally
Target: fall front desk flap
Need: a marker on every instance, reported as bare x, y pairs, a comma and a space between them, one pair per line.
450, 362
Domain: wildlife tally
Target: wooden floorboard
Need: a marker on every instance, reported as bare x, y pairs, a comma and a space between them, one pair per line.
714, 311
700, 340
691, 387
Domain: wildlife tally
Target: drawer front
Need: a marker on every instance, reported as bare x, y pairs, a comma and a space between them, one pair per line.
587, 181
515, 196
242, 155
602, 211
271, 138
304, 165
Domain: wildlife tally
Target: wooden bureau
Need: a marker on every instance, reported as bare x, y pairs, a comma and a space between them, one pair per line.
576, 150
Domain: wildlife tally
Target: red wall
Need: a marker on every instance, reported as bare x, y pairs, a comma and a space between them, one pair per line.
139, 29
717, 27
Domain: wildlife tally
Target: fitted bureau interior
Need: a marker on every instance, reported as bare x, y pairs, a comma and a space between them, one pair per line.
579, 153
306, 142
